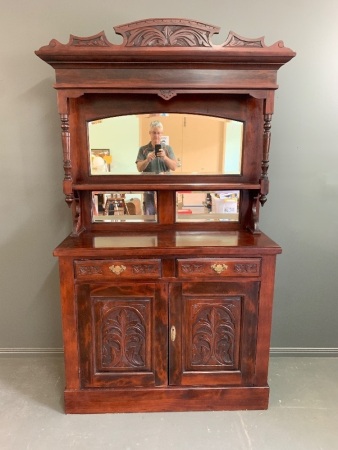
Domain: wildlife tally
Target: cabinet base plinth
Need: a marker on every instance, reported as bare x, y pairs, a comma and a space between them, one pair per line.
91, 401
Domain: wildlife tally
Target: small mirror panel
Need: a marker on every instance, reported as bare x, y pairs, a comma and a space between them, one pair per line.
138, 206
203, 206
200, 144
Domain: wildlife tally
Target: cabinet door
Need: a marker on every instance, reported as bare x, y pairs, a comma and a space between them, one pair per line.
213, 329
123, 334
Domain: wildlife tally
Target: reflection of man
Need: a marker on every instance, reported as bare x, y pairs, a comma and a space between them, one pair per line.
163, 161
147, 161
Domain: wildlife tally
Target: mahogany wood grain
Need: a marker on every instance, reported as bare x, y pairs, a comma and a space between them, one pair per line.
166, 316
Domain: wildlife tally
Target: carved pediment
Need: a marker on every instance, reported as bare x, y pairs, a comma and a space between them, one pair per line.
166, 33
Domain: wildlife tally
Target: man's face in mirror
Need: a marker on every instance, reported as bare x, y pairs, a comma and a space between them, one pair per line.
155, 135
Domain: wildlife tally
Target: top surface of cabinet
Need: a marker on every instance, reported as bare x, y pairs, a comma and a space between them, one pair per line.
167, 243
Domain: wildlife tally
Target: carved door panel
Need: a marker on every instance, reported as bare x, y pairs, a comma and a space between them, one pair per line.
123, 335
213, 328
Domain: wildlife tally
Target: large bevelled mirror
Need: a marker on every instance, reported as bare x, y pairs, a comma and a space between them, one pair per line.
201, 144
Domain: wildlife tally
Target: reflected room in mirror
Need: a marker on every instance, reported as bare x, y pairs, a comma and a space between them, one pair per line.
201, 144
124, 206
141, 206
202, 206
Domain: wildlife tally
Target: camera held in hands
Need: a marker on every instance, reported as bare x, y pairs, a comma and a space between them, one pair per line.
158, 148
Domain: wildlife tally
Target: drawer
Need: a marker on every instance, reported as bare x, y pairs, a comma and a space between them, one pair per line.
117, 269
219, 268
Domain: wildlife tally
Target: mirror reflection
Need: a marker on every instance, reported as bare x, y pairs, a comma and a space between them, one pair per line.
201, 206
186, 144
141, 206
124, 206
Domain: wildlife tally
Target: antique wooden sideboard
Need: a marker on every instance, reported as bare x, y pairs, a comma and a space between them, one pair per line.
169, 310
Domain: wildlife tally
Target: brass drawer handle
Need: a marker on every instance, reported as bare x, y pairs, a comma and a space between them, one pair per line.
117, 269
173, 333
219, 268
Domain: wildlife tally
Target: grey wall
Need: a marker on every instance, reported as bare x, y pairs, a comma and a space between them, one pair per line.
302, 209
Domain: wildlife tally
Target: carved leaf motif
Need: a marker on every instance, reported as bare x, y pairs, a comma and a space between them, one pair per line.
191, 268
167, 36
144, 268
213, 337
246, 268
123, 338
89, 270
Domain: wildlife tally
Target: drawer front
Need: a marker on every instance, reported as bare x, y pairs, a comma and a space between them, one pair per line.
219, 268
118, 269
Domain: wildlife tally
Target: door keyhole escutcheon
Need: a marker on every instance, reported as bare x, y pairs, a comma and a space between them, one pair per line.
173, 333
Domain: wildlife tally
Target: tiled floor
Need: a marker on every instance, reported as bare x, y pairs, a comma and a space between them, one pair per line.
303, 414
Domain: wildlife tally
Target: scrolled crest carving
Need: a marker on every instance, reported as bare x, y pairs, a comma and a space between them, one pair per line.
235, 40
166, 33
160, 33
98, 40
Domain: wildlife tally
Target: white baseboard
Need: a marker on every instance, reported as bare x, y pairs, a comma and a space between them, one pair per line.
274, 351
303, 351
25, 351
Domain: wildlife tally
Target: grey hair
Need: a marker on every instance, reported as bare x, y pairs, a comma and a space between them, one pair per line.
156, 124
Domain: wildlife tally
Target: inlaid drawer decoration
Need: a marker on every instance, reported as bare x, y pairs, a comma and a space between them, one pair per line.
118, 269
222, 267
